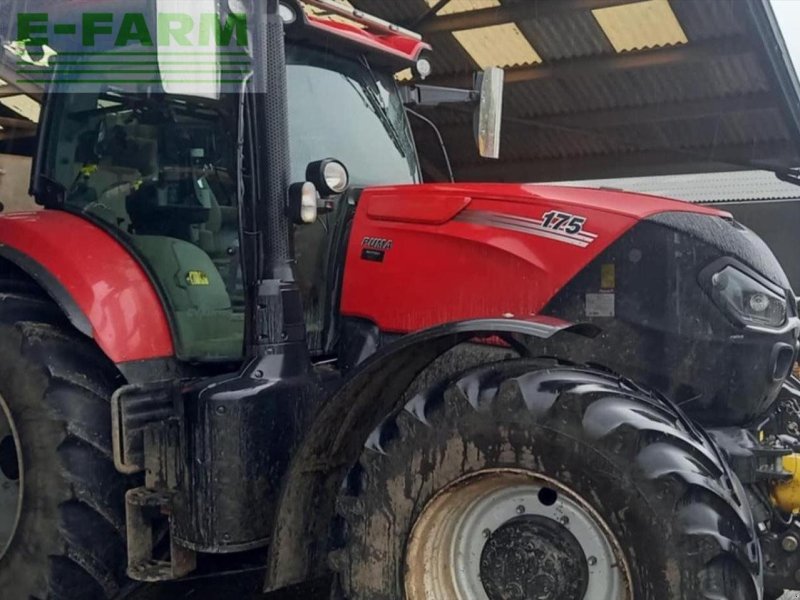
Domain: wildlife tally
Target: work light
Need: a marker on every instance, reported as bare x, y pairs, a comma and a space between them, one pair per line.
330, 176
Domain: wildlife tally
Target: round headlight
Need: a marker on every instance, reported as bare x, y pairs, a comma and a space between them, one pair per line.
336, 177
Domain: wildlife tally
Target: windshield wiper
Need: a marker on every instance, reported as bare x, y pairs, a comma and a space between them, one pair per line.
378, 106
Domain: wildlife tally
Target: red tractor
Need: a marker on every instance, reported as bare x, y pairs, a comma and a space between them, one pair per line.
243, 327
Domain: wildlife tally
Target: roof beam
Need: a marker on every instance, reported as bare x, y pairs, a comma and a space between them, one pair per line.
591, 65
17, 124
17, 84
513, 12
419, 22
651, 162
652, 113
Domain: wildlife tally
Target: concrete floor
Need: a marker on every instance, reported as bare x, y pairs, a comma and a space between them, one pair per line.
244, 586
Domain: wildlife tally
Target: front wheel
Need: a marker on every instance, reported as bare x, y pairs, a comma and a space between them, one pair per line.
531, 479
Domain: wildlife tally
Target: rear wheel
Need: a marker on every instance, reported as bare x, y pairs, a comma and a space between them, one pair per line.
61, 500
531, 479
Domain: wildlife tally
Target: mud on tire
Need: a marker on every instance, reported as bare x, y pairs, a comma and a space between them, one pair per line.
677, 511
69, 540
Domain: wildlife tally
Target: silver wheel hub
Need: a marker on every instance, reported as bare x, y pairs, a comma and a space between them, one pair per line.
10, 478
507, 534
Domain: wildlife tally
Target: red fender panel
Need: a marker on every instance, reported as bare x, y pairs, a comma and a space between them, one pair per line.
100, 277
423, 255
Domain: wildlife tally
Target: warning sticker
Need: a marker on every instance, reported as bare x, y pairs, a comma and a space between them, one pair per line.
599, 305
608, 277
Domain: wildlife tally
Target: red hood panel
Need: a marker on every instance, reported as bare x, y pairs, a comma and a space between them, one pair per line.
428, 254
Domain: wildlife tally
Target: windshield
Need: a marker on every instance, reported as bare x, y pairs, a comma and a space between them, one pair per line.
160, 169
343, 109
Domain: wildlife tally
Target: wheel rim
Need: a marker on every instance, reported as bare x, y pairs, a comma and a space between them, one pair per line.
509, 534
11, 475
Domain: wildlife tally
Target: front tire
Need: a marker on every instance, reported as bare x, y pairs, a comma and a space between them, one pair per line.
66, 541
557, 457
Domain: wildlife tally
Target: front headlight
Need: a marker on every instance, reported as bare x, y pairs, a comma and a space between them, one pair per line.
746, 299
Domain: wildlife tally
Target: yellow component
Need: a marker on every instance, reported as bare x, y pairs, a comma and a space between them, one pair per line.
608, 277
197, 278
88, 170
786, 495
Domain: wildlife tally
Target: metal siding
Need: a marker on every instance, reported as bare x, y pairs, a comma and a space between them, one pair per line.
736, 186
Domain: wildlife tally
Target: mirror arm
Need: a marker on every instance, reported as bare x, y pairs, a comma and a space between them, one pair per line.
433, 95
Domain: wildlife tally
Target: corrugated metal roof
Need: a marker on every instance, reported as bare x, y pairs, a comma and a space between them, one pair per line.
497, 46
558, 38
702, 20
737, 186
710, 53
640, 25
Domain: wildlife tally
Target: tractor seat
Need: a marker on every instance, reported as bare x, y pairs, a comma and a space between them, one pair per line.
133, 157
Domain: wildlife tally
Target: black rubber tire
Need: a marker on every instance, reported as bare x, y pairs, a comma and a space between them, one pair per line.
678, 512
70, 539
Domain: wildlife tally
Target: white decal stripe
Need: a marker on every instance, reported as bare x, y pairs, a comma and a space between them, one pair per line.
587, 237
487, 219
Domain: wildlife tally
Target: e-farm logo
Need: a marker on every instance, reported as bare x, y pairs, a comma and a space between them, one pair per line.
108, 48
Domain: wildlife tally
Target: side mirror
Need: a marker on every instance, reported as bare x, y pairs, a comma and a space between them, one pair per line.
489, 116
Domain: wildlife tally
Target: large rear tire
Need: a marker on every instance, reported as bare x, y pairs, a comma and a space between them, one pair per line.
65, 538
532, 479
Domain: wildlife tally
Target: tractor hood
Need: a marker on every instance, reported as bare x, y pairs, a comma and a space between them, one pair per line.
427, 254
669, 284
438, 203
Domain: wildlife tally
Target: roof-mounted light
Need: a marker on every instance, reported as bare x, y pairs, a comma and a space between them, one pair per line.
423, 68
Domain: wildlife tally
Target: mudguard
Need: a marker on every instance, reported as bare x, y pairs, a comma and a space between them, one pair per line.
101, 288
337, 434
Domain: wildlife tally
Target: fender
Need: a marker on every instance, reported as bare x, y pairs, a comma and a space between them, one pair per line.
100, 287
337, 434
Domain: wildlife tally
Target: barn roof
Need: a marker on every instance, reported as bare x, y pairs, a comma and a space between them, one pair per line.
613, 87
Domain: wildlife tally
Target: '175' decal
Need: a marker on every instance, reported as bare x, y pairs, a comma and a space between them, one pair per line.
553, 225
560, 221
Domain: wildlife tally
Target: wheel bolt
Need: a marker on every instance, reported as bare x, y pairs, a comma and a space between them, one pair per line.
592, 560
487, 533
520, 510
564, 520
789, 543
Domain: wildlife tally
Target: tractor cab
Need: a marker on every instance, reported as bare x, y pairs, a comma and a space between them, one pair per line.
153, 160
